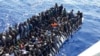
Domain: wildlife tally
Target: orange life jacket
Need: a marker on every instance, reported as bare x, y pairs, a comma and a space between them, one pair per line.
54, 24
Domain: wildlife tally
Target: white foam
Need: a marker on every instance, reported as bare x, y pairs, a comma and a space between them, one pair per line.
82, 19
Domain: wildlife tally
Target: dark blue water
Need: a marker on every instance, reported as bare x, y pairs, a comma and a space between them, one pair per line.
16, 11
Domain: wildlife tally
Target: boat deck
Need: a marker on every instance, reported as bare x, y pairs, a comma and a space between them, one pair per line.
94, 50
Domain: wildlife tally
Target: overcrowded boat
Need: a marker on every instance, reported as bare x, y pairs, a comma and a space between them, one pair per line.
42, 34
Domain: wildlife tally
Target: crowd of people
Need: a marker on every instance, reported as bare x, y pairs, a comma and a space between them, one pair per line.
38, 35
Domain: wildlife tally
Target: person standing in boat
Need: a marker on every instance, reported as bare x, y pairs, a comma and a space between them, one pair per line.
71, 14
64, 13
60, 9
56, 10
20, 30
80, 15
